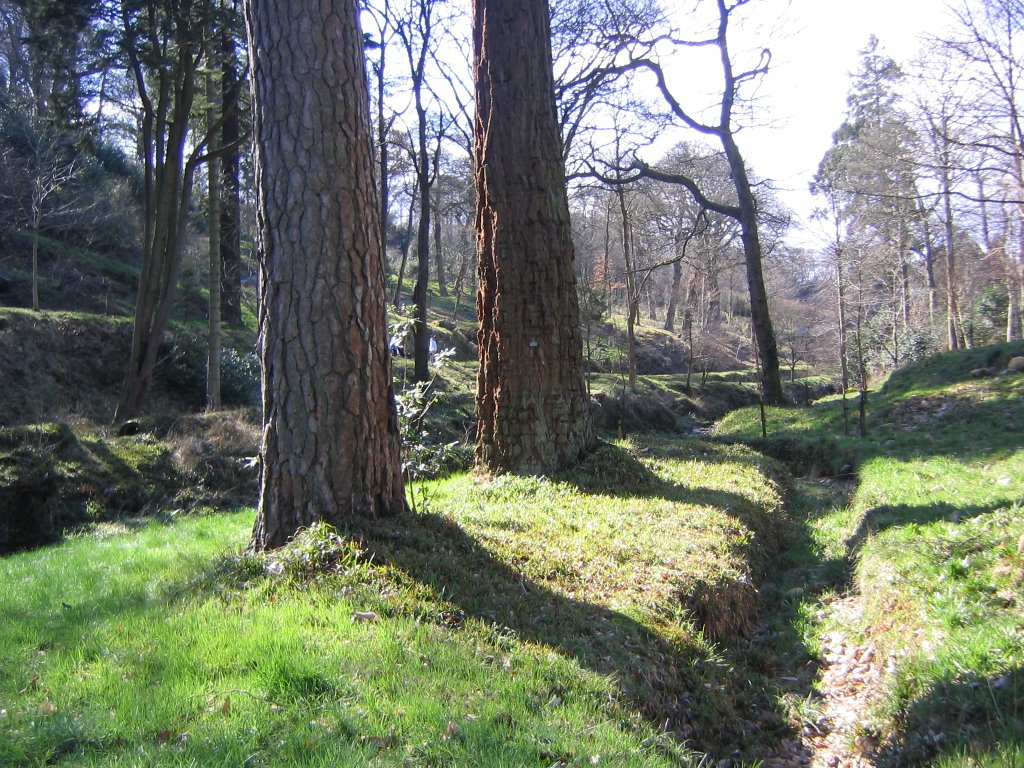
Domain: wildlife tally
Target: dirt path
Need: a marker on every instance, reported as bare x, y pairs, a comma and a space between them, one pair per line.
851, 684
848, 687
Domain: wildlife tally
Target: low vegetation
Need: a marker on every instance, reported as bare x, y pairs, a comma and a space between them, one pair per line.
531, 621
931, 539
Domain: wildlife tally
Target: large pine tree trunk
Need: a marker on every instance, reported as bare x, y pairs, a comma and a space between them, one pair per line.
532, 404
330, 433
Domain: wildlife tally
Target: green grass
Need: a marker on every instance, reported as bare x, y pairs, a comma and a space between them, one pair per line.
517, 622
932, 537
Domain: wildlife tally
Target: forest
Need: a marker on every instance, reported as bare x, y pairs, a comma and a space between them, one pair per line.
406, 382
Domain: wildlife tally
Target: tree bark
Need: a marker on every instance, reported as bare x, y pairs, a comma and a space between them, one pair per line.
231, 204
213, 344
330, 431
673, 300
532, 405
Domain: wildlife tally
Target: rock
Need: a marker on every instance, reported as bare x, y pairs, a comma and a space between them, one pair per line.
1016, 365
981, 373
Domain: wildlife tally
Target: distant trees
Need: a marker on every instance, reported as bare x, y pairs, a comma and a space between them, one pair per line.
532, 403
924, 193
923, 185
331, 445
37, 163
165, 48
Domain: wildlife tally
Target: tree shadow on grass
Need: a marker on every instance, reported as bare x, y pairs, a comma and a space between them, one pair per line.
705, 693
975, 719
878, 519
671, 682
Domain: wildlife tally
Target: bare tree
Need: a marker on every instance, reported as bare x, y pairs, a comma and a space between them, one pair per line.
640, 56
40, 162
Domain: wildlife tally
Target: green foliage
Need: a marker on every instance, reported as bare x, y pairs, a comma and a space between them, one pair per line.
313, 553
184, 368
424, 455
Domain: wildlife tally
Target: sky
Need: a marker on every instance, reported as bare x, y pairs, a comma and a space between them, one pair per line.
815, 47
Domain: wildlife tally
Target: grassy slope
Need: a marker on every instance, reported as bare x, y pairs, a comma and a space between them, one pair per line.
934, 530
516, 622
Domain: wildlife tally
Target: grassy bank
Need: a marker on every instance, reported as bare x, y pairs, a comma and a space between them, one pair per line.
575, 620
931, 538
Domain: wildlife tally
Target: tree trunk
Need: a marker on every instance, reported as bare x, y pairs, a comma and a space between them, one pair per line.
168, 178
404, 250
442, 280
929, 267
673, 295
420, 295
760, 318
36, 223
213, 345
951, 299
532, 406
230, 197
168, 198
330, 431
632, 295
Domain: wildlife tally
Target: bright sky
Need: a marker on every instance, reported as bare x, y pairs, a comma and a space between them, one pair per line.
815, 47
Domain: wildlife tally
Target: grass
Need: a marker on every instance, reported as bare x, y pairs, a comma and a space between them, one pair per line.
931, 537
517, 622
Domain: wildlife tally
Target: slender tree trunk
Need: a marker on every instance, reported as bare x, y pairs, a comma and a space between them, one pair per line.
230, 197
951, 279
929, 268
442, 281
167, 96
36, 220
760, 317
407, 239
904, 275
632, 296
213, 345
420, 294
844, 368
532, 407
673, 295
170, 197
330, 431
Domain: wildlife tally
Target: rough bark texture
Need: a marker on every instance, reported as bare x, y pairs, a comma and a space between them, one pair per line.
532, 404
330, 434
